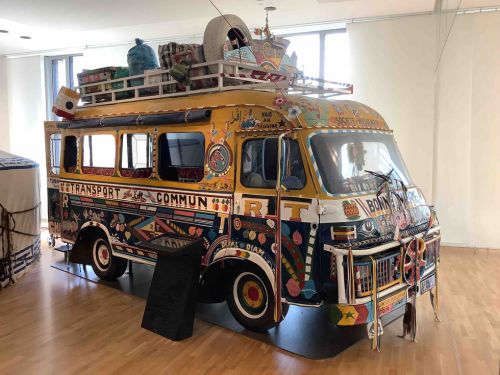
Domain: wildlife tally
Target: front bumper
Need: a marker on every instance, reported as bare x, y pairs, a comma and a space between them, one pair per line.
391, 299
358, 308
342, 254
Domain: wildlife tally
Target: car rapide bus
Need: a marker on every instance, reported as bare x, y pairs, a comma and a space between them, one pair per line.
299, 200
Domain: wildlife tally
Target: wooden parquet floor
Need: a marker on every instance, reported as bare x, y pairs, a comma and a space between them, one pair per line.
52, 322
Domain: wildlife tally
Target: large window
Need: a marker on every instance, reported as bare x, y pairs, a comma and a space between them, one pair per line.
99, 154
136, 155
60, 71
307, 49
322, 54
337, 57
259, 167
181, 156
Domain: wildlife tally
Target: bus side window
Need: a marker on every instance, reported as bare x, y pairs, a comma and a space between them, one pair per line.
181, 157
259, 167
55, 153
136, 155
99, 154
70, 153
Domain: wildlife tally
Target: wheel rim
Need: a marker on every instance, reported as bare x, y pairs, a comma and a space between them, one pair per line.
250, 295
102, 256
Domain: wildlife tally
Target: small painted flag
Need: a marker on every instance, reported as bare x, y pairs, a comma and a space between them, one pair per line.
66, 103
343, 233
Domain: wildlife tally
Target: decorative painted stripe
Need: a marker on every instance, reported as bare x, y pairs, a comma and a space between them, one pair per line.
310, 251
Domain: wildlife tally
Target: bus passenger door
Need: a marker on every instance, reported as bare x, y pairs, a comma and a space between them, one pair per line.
255, 224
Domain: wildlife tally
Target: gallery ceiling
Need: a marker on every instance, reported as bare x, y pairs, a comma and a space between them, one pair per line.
54, 24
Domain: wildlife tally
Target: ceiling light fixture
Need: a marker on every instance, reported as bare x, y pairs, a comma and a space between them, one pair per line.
4, 31
25, 37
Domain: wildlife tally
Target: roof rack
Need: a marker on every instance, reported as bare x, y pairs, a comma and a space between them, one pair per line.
158, 83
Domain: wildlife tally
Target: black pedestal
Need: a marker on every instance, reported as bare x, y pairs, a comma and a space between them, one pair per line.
173, 293
172, 297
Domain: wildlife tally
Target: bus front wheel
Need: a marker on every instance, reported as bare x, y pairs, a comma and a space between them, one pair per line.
251, 300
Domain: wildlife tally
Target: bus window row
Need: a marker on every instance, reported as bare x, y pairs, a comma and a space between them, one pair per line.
181, 155
181, 158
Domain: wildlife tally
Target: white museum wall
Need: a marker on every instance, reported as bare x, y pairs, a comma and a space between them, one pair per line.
4, 109
393, 71
26, 113
467, 163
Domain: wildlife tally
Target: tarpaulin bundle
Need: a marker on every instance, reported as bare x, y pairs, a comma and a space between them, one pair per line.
19, 216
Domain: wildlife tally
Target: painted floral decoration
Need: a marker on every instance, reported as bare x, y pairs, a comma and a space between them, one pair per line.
293, 112
279, 101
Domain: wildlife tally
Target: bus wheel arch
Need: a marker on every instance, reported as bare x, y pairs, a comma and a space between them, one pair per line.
93, 247
246, 281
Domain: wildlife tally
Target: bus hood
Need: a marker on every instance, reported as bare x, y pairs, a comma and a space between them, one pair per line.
369, 219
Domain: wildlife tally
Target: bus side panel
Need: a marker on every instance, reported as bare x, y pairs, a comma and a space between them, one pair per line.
128, 222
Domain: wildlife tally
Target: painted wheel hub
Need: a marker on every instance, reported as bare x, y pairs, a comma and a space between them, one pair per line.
252, 294
103, 255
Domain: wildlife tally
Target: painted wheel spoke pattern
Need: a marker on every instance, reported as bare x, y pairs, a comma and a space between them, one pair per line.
414, 262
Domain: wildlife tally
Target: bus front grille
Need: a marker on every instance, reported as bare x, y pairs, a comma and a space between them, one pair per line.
388, 273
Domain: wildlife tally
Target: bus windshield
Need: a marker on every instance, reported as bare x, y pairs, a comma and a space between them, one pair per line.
346, 161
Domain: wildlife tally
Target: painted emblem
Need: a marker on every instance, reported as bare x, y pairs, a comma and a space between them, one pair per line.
351, 210
219, 158
249, 121
414, 263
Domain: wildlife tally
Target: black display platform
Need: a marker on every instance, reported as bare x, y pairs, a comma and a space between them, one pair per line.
306, 331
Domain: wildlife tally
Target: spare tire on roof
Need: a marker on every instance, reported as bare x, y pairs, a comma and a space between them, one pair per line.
218, 31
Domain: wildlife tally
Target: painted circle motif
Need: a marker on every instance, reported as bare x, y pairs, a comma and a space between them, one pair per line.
237, 224
250, 295
219, 159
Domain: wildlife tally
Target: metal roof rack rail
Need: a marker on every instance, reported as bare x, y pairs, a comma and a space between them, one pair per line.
158, 83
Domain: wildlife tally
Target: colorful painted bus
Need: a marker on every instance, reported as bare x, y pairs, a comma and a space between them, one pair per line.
299, 200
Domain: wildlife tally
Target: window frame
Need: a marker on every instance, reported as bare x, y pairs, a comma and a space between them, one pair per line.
53, 154
263, 137
120, 153
77, 165
159, 155
82, 153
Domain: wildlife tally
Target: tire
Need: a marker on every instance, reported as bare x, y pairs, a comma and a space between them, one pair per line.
251, 300
216, 34
51, 241
105, 265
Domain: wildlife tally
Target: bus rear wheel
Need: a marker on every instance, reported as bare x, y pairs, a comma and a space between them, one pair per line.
105, 265
251, 300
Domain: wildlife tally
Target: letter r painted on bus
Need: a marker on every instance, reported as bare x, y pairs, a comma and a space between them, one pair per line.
256, 207
65, 200
253, 208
